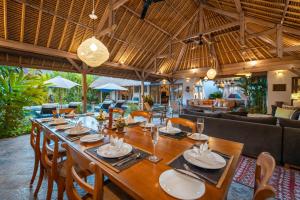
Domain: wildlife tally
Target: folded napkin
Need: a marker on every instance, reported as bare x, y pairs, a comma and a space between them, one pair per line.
116, 142
129, 120
203, 154
169, 125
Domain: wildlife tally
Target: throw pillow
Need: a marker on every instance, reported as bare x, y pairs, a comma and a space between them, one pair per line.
288, 107
284, 113
296, 103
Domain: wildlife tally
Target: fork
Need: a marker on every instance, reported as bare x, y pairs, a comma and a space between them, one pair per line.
187, 168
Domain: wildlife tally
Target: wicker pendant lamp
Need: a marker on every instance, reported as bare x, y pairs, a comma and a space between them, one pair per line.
92, 51
212, 72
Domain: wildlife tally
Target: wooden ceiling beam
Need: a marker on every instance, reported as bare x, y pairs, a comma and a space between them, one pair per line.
37, 31
266, 32
75, 65
284, 63
242, 28
117, 4
287, 49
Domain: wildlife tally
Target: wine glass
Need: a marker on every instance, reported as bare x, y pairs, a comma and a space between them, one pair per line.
155, 137
57, 111
200, 125
144, 124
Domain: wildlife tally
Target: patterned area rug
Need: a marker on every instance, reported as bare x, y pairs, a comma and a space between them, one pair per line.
285, 181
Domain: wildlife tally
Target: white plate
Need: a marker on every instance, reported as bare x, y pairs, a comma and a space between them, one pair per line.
181, 186
171, 131
92, 138
148, 125
108, 151
210, 161
194, 136
83, 130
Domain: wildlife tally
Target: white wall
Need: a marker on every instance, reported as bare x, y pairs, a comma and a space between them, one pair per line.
209, 88
279, 77
187, 95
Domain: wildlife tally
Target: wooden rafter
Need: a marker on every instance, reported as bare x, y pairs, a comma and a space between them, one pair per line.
22, 22
238, 5
180, 56
5, 18
53, 24
37, 32
242, 28
74, 64
279, 40
287, 3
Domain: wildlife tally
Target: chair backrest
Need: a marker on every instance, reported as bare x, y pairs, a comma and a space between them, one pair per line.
140, 113
35, 136
118, 111
50, 161
265, 166
76, 159
63, 111
183, 122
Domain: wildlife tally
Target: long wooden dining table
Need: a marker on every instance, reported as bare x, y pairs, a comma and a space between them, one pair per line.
141, 180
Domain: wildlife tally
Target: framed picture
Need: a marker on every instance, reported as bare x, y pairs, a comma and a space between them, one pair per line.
279, 87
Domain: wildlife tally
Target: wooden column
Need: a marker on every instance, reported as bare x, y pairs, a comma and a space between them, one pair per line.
84, 92
142, 94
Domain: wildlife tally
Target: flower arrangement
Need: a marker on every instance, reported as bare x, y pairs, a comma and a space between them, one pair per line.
120, 124
101, 116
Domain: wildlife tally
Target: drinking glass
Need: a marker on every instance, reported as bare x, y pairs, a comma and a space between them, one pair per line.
154, 137
57, 111
144, 123
200, 125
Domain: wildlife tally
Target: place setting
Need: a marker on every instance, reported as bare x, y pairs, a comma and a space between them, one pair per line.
117, 154
173, 132
192, 169
199, 136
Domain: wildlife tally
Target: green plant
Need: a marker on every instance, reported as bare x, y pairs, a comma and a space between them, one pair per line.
131, 107
256, 90
148, 99
215, 95
17, 90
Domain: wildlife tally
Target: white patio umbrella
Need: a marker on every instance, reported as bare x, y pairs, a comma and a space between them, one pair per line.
110, 87
60, 82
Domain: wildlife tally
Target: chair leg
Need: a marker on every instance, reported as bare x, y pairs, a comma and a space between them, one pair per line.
38, 186
50, 186
36, 166
61, 188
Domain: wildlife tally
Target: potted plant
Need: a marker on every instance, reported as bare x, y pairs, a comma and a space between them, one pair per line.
148, 99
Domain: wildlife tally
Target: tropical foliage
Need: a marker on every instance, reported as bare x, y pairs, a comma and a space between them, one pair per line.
18, 90
256, 90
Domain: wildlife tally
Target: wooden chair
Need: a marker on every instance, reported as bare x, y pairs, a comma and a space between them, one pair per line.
35, 135
97, 191
53, 164
140, 113
63, 111
183, 122
265, 166
119, 111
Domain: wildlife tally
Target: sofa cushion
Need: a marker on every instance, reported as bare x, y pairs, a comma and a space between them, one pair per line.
259, 120
240, 113
291, 143
289, 123
284, 113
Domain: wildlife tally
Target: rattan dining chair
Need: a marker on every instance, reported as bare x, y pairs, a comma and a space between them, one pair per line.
183, 122
119, 111
265, 166
98, 190
63, 111
35, 136
140, 113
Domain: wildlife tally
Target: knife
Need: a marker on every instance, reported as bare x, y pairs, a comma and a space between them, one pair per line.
181, 171
126, 160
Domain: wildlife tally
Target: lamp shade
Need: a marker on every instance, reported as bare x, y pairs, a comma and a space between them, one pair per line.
93, 52
211, 73
295, 96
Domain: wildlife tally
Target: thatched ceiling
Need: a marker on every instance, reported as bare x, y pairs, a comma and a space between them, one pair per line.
46, 34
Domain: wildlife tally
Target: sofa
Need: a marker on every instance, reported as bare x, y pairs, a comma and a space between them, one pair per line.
213, 105
280, 137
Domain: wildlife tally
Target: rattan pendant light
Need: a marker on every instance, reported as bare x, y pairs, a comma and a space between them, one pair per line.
92, 51
212, 72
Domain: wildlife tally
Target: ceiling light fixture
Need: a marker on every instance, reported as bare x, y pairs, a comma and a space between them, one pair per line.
212, 72
92, 51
